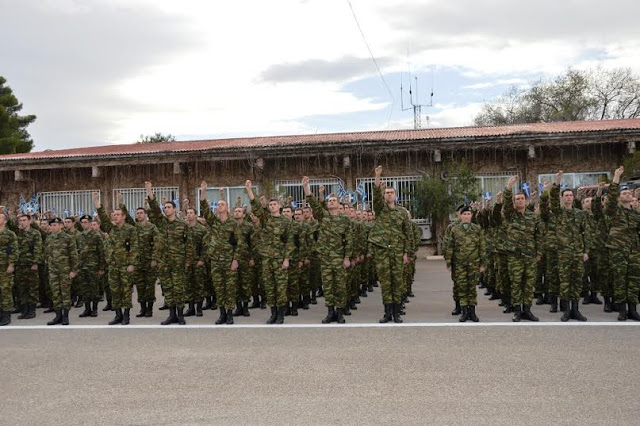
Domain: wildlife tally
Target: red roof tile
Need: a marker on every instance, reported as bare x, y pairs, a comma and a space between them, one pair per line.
334, 138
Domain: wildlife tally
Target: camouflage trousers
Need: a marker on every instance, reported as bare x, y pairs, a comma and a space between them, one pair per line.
541, 282
466, 276
305, 285
6, 289
570, 272
315, 273
172, 276
26, 283
144, 279
293, 281
605, 279
522, 276
503, 285
334, 282
244, 289
120, 283
60, 284
390, 271
591, 277
209, 290
225, 281
89, 283
195, 277
257, 281
409, 273
551, 272
354, 280
44, 291
275, 280
625, 270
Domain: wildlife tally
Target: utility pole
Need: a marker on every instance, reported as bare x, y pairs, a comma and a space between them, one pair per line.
414, 103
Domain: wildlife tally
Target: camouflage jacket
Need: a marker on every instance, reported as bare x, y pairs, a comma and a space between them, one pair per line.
524, 233
91, 250
334, 232
173, 235
466, 245
224, 240
9, 249
274, 234
624, 223
391, 228
30, 247
122, 241
60, 252
570, 225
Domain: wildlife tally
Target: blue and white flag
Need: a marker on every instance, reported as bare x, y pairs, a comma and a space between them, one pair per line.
540, 188
488, 195
526, 189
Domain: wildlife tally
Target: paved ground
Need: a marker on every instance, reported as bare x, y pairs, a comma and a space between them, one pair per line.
494, 372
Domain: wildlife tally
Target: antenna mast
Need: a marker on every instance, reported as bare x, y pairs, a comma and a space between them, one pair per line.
415, 103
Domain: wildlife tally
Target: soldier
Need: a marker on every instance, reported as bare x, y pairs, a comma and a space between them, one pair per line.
523, 246
173, 235
276, 246
457, 310
601, 232
26, 271
334, 245
103, 280
196, 271
501, 254
467, 251
624, 247
245, 264
8, 257
571, 231
43, 273
61, 256
295, 262
70, 229
91, 266
411, 267
304, 263
315, 276
390, 243
123, 243
590, 284
224, 246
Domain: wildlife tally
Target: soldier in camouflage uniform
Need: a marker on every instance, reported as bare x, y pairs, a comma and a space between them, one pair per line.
315, 276
71, 229
173, 236
43, 273
196, 270
122, 259
390, 242
91, 266
604, 281
550, 251
61, 256
26, 270
411, 267
305, 261
624, 248
334, 245
445, 247
246, 264
523, 244
276, 245
467, 251
295, 262
224, 245
590, 285
501, 253
8, 258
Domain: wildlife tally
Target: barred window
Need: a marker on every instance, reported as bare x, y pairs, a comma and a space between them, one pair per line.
137, 197
67, 203
404, 186
576, 180
293, 188
233, 195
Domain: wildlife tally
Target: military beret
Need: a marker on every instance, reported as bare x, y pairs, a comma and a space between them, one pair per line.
624, 187
460, 207
55, 220
86, 216
465, 209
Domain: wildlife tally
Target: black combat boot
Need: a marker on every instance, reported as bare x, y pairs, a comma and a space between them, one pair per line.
108, 306
346, 310
207, 303
633, 312
78, 303
594, 298
149, 312
118, 318
517, 313
180, 316
339, 316
5, 318
566, 315
494, 295
539, 299
199, 308
487, 292
294, 309
94, 309
352, 304
507, 306
191, 311
320, 292
49, 309
331, 315
22, 310
564, 305
363, 291
263, 302
587, 299
214, 302
575, 312
57, 319
274, 315
313, 299
31, 311
164, 306
87, 310
172, 318
388, 313
457, 310
554, 304
410, 294
222, 319
238, 310
622, 311
397, 312
125, 316
528, 315
305, 302
256, 302
607, 305
65, 317
280, 315
143, 310
370, 286
465, 314
472, 314
229, 316
356, 299
245, 309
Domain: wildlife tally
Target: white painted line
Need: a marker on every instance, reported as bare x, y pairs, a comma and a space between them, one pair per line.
320, 326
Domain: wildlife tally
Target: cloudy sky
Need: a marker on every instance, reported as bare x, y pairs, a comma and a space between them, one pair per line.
102, 72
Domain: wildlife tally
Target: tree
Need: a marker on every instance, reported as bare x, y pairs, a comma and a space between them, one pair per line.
595, 94
158, 137
437, 197
14, 137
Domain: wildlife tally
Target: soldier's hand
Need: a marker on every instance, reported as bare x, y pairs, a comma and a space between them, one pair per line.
100, 273
247, 184
378, 171
512, 181
618, 174
285, 264
305, 181
252, 263
559, 177
10, 269
185, 202
346, 263
234, 265
34, 267
130, 268
499, 197
149, 188
222, 193
72, 275
154, 264
119, 198
483, 268
96, 199
405, 259
585, 257
200, 264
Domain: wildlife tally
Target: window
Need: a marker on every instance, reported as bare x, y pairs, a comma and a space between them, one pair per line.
231, 195
492, 183
293, 188
67, 203
404, 186
137, 197
576, 180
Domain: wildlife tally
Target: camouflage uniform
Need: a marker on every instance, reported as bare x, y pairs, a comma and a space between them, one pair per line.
61, 256
315, 274
244, 289
501, 257
123, 245
195, 275
466, 254
294, 272
604, 280
9, 252
91, 259
446, 242
410, 269
26, 279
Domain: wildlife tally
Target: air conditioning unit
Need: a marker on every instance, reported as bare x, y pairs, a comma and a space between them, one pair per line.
426, 232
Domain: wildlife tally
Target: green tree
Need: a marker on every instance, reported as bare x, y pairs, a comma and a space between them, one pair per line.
14, 137
436, 197
594, 94
157, 137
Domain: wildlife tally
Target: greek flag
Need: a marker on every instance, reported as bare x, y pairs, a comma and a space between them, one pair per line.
526, 189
